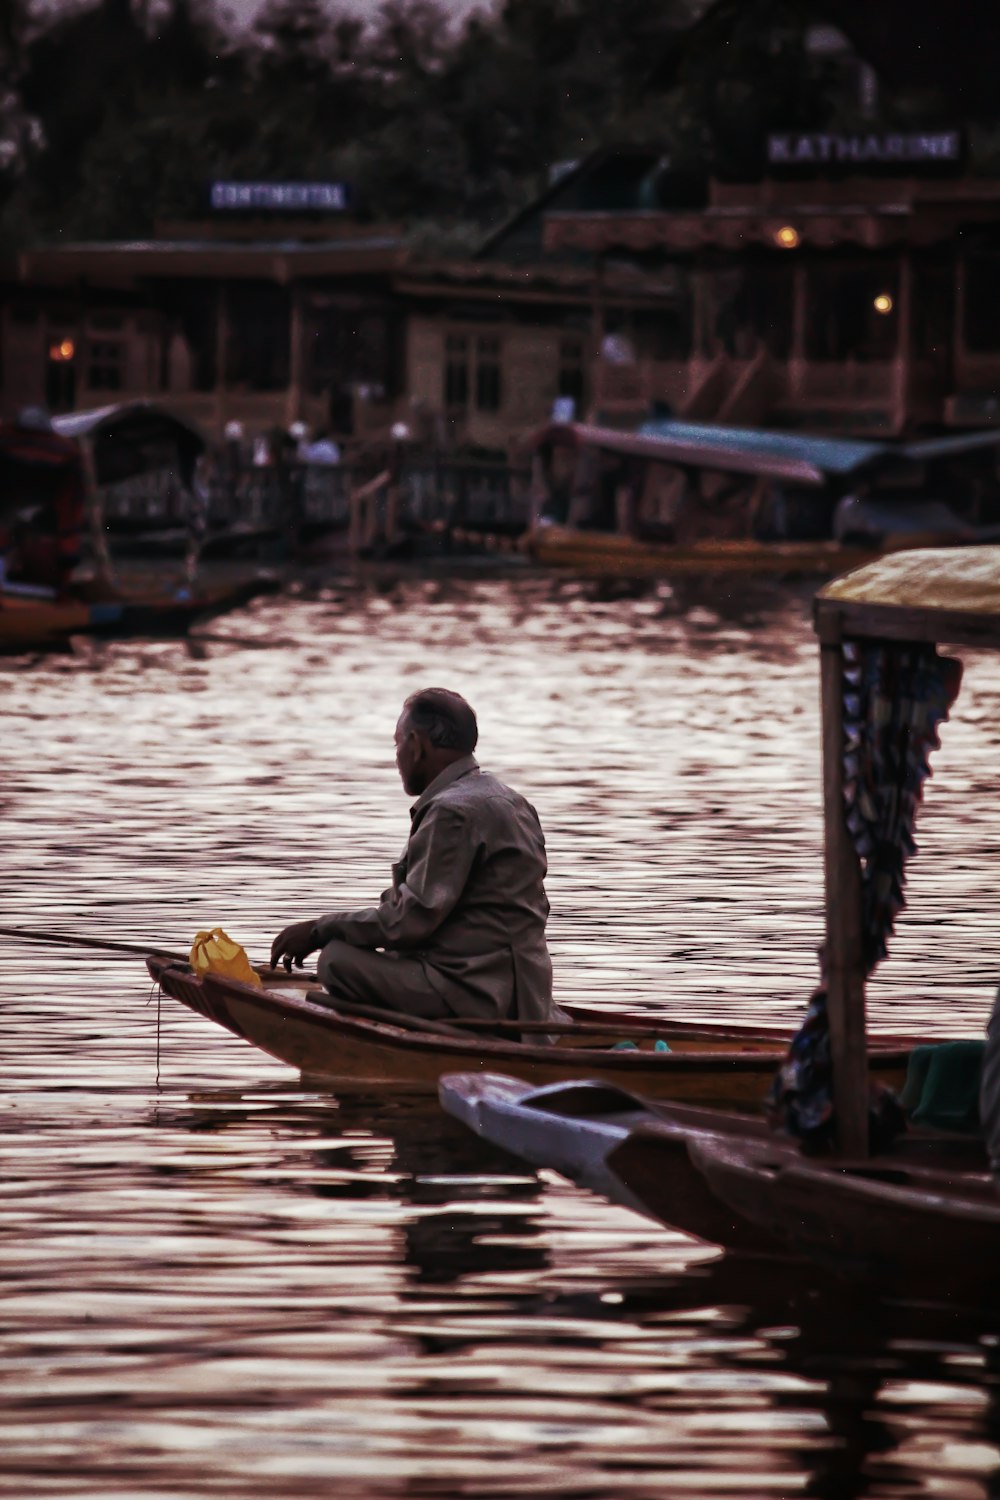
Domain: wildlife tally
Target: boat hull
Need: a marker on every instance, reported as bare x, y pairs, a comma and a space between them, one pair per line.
37, 624
31, 624
887, 1219
609, 553
717, 1175
354, 1053
588, 1132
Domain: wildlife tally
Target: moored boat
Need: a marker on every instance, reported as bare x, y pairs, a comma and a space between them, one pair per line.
681, 497
612, 554
34, 622
582, 1129
649, 1155
39, 624
356, 1050
46, 491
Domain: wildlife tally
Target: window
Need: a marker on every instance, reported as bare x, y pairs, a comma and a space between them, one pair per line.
106, 365
982, 303
488, 383
259, 323
456, 371
105, 322
851, 313
570, 378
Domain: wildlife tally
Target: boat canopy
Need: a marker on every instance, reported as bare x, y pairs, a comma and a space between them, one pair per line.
886, 691
134, 437
797, 458
934, 594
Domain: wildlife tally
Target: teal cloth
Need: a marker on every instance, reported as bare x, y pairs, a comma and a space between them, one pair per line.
942, 1085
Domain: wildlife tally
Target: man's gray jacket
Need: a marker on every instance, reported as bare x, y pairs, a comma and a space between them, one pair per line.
467, 899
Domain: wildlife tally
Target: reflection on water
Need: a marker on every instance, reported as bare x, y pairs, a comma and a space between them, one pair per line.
227, 1285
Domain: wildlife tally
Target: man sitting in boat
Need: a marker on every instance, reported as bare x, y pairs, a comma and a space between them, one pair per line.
462, 930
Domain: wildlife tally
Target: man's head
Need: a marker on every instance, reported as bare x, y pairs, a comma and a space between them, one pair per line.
435, 728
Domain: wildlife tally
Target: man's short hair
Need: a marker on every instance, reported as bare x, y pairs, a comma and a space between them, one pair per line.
444, 717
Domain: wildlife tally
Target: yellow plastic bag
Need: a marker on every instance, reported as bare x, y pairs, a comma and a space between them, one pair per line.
215, 953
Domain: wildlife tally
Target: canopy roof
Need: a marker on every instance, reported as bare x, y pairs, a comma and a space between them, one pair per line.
763, 446
798, 458
129, 438
932, 594
778, 455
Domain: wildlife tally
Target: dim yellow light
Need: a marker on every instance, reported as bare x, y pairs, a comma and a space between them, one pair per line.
883, 303
66, 349
786, 237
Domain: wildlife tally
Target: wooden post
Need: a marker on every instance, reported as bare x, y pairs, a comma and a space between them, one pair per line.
958, 323
95, 518
904, 342
844, 957
797, 358
221, 349
597, 321
296, 347
391, 512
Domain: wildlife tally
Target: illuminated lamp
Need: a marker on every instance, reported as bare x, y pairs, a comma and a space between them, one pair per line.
883, 303
786, 237
66, 349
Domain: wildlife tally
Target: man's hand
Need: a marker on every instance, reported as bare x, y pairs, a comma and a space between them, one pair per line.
294, 945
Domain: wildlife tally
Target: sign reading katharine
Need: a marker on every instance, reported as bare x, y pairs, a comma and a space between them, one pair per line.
310, 197
940, 147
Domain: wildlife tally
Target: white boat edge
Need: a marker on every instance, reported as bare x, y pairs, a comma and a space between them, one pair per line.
528, 1122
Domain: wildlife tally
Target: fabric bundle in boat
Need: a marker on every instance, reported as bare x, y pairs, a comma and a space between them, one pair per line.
896, 696
800, 1100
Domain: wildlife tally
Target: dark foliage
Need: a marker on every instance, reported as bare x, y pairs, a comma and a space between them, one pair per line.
120, 114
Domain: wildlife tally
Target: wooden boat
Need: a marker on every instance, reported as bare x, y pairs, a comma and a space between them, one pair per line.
358, 1051
582, 1130
46, 491
680, 497
932, 1226
612, 554
648, 1156
38, 624
29, 623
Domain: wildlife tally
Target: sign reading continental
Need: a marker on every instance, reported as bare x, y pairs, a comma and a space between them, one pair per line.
280, 197
875, 148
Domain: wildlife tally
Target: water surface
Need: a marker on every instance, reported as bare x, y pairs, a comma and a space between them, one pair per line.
216, 1283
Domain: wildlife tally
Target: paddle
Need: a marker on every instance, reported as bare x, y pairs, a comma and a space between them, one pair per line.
396, 1018
109, 945
455, 1027
69, 939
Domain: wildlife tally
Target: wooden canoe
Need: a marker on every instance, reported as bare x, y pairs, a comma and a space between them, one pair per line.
922, 1227
612, 554
651, 1157
355, 1052
580, 1128
28, 624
